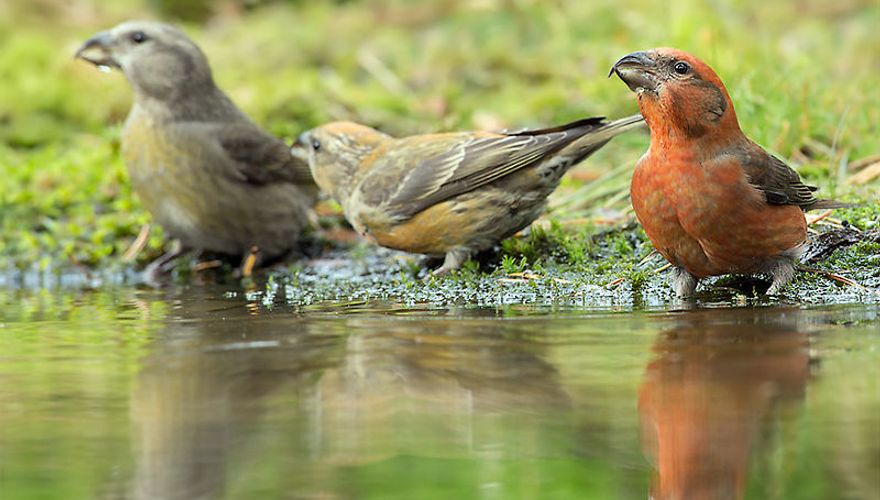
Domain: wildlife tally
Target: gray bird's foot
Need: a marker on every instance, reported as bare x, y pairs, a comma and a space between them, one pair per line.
251, 260
782, 270
453, 262
683, 282
154, 270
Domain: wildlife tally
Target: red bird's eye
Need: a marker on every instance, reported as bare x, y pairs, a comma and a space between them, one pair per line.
681, 68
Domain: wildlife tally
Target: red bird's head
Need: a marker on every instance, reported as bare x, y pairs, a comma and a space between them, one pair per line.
679, 95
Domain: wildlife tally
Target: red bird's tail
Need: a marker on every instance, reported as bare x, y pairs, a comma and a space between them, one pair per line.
828, 204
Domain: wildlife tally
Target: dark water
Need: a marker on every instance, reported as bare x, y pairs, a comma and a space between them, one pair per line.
203, 394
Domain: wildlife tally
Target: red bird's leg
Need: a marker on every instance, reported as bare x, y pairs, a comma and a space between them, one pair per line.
782, 269
683, 282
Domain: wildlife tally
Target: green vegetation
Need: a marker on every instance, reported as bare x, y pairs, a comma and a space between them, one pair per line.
803, 77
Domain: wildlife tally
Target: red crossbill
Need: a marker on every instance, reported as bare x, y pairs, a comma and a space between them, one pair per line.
209, 175
711, 201
449, 194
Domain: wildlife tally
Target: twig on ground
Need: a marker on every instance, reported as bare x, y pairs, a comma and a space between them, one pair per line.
864, 162
817, 218
208, 264
138, 244
867, 174
380, 71
663, 268
648, 257
526, 275
614, 283
838, 278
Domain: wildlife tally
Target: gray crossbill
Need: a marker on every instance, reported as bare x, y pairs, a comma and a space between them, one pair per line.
209, 175
712, 201
449, 194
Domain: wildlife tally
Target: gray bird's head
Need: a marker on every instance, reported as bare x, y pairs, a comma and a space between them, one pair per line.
159, 60
335, 153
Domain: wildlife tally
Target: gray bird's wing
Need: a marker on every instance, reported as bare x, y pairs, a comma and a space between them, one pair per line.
417, 172
260, 158
242, 152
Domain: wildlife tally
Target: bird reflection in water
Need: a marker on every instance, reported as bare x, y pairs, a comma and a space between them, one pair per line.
205, 389
346, 392
436, 388
707, 398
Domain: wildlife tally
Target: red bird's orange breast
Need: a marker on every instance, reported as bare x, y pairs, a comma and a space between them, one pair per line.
703, 215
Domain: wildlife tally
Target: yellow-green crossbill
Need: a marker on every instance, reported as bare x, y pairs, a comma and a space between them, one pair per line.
449, 194
209, 175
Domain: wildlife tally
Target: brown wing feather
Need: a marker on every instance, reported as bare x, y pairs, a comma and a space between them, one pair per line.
780, 184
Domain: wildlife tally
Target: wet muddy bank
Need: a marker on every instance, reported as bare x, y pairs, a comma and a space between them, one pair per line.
549, 267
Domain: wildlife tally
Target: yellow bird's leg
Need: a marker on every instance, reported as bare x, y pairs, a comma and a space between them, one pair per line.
453, 261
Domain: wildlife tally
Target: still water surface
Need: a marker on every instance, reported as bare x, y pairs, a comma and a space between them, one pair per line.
199, 393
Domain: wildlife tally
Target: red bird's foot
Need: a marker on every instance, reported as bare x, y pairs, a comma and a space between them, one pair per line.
782, 270
683, 282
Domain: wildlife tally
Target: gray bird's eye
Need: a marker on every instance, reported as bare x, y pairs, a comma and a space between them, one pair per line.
138, 37
316, 144
681, 68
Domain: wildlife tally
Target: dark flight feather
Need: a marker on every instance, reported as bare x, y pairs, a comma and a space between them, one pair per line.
780, 184
466, 165
262, 158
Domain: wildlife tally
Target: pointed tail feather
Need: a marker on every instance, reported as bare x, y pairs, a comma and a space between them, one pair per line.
622, 125
828, 204
592, 141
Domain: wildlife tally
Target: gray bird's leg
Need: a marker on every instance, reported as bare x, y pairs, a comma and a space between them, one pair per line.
683, 282
453, 261
163, 264
251, 260
782, 270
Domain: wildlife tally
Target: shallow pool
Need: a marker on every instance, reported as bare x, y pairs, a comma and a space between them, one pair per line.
206, 392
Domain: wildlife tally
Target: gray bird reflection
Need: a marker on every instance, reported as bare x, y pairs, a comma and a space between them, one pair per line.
206, 384
318, 395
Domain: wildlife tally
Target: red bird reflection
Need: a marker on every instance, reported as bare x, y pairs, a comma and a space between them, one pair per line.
705, 400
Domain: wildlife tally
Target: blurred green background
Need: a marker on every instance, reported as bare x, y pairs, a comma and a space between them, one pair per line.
803, 76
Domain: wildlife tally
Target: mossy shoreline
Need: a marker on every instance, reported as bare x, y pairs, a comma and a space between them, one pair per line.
549, 267
804, 87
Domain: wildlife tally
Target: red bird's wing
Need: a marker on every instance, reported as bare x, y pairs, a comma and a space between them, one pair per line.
780, 184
